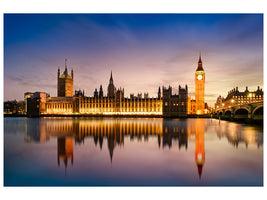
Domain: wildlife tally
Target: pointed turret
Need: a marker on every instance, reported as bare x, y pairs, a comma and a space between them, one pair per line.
111, 87
101, 92
159, 93
111, 79
66, 70
199, 60
199, 67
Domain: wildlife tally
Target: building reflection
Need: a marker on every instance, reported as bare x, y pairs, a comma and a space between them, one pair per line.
112, 132
35, 131
173, 132
237, 134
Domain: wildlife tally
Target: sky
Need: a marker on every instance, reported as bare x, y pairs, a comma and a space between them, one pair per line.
144, 51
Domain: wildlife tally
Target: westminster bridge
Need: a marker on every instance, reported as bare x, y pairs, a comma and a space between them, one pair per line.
248, 111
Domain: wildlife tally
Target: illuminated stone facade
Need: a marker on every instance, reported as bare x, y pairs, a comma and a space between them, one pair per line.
61, 105
165, 104
199, 87
120, 106
65, 83
235, 97
113, 104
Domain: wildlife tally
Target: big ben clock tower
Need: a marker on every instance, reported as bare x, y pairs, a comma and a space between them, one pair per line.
199, 86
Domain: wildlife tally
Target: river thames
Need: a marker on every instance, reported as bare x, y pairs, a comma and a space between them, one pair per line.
131, 152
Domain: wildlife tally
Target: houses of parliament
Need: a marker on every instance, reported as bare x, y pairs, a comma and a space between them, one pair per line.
166, 104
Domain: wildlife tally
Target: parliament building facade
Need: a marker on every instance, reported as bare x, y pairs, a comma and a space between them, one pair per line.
165, 104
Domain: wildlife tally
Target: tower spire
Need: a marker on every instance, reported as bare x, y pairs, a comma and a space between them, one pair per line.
65, 63
200, 61
111, 78
199, 67
66, 70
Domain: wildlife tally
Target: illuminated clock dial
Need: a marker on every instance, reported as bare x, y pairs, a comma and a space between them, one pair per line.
199, 77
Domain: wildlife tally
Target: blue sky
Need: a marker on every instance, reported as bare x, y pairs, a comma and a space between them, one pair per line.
144, 51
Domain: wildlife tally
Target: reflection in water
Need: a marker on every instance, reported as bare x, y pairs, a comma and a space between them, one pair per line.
237, 133
199, 148
115, 130
65, 150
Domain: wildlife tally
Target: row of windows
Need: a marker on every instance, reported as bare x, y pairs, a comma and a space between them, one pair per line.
175, 104
124, 103
101, 105
111, 100
84, 110
245, 97
59, 106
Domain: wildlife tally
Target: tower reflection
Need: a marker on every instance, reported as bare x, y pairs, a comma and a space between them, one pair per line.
199, 145
65, 150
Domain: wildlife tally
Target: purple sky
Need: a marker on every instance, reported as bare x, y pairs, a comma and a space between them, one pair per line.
144, 51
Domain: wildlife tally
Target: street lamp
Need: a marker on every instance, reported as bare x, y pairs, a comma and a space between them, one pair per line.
233, 101
250, 95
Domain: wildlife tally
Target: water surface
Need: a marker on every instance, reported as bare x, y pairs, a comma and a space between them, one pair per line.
131, 152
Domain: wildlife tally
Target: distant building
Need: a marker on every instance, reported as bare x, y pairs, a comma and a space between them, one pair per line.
235, 97
219, 101
35, 103
14, 107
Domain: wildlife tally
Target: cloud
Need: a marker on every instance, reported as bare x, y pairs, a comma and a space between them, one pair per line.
143, 52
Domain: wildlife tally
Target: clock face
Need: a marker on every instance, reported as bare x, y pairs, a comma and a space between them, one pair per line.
199, 77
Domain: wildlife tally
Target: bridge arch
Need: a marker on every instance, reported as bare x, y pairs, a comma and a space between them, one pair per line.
243, 107
241, 113
228, 113
257, 113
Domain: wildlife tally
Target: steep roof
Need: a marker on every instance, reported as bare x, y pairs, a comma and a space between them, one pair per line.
199, 66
